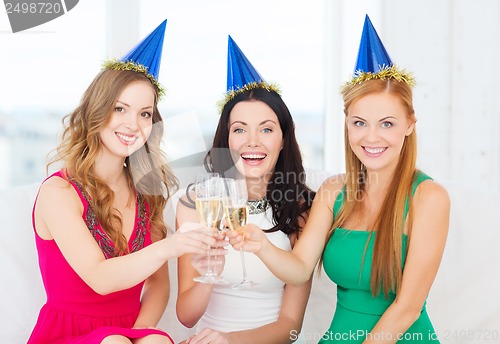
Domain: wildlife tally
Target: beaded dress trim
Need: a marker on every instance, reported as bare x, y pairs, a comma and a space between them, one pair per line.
101, 237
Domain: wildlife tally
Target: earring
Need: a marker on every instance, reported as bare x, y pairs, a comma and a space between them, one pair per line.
362, 173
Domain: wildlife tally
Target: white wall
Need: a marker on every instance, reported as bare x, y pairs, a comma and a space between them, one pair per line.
452, 47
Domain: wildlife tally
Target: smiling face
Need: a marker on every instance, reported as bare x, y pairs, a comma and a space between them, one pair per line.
377, 125
255, 136
131, 121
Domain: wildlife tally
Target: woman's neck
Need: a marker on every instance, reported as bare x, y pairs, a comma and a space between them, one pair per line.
256, 188
377, 182
112, 175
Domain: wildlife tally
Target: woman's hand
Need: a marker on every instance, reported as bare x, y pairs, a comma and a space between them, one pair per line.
253, 238
217, 258
191, 238
208, 336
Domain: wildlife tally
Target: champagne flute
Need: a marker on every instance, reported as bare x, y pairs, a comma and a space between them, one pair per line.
208, 195
236, 213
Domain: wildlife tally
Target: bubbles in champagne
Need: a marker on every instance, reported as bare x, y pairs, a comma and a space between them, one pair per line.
236, 216
209, 211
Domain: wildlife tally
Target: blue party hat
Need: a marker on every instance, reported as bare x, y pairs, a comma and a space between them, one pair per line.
373, 61
145, 57
241, 74
239, 69
372, 55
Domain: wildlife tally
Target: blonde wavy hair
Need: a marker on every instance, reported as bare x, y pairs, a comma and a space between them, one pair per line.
386, 269
147, 170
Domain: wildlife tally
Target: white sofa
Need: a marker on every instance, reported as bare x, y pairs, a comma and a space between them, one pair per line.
463, 303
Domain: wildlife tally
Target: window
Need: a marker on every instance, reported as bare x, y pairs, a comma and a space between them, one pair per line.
44, 73
47, 68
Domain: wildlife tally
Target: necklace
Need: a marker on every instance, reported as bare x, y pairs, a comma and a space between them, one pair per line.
258, 206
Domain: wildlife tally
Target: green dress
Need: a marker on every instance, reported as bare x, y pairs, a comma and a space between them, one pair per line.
357, 311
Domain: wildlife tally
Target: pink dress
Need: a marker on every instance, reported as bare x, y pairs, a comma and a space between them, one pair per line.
74, 313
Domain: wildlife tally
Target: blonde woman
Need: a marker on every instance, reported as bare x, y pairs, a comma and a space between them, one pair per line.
98, 222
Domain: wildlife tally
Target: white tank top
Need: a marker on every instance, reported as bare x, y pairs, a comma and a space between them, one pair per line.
234, 310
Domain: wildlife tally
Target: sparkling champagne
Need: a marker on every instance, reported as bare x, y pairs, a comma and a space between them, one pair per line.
209, 210
236, 216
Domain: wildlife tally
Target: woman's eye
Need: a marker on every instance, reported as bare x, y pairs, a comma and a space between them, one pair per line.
238, 130
146, 114
359, 123
119, 109
267, 130
386, 124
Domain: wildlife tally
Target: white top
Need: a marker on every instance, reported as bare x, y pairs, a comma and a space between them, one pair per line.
233, 309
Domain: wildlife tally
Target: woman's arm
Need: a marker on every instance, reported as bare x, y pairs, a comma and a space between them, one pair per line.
192, 297
154, 298
65, 225
296, 267
428, 237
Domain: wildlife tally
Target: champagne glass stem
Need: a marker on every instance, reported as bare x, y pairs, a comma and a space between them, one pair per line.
209, 264
245, 283
243, 265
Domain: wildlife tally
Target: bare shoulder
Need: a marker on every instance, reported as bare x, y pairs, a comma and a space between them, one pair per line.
331, 187
432, 192
57, 202
334, 183
186, 203
58, 193
186, 211
432, 209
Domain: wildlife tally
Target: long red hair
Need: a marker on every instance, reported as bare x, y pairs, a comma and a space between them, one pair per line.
386, 269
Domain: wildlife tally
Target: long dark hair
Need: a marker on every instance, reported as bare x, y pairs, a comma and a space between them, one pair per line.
287, 193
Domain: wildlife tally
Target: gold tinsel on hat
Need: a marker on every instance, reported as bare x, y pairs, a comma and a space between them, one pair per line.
231, 94
129, 65
385, 73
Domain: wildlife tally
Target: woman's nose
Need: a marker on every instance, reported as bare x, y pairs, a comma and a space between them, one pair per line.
373, 134
253, 140
132, 122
